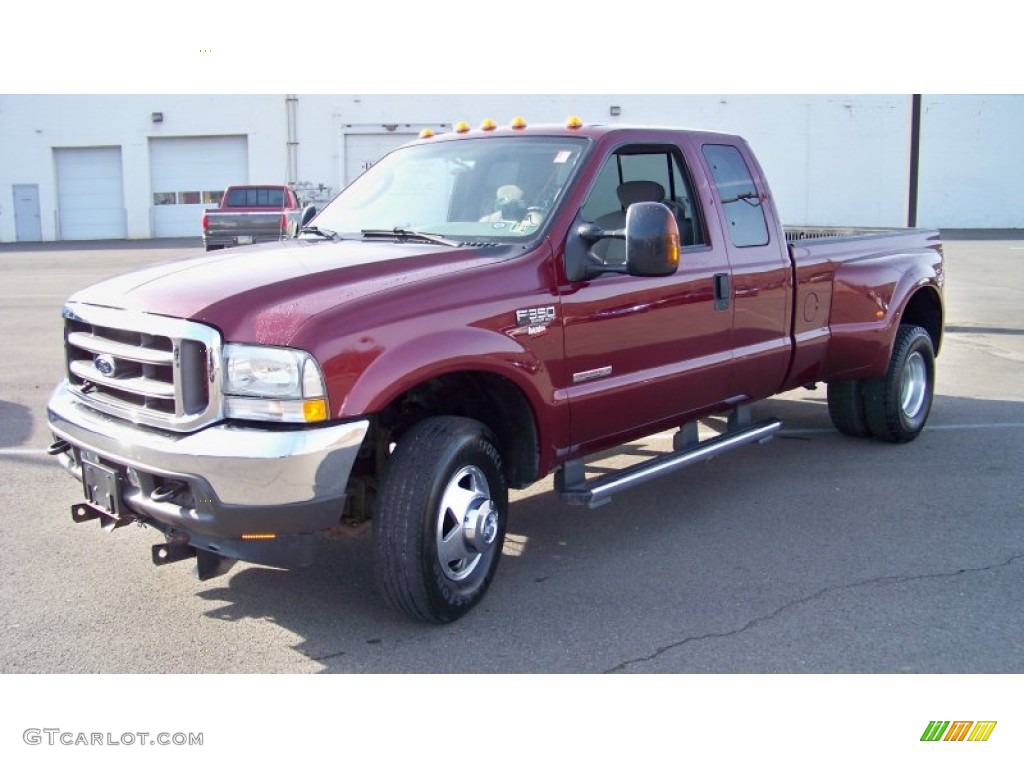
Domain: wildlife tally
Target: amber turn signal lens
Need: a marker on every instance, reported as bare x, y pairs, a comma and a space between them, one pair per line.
518, 123
672, 248
426, 133
462, 127
314, 410
488, 125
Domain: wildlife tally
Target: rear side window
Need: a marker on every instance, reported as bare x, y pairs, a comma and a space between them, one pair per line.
256, 197
736, 190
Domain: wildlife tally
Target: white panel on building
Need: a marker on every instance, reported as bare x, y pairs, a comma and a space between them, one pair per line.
90, 193
365, 145
188, 175
971, 163
364, 149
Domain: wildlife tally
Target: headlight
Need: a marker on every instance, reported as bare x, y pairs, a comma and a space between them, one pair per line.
272, 384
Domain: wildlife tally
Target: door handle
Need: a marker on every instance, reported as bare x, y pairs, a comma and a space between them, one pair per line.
723, 292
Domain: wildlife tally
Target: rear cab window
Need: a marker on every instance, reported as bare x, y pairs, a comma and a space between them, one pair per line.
740, 200
256, 197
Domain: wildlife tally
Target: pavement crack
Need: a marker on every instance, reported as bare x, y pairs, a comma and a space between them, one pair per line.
325, 656
880, 580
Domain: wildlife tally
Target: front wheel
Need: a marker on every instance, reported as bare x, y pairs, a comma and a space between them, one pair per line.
439, 520
897, 404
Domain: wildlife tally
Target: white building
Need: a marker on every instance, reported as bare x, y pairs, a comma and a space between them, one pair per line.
137, 166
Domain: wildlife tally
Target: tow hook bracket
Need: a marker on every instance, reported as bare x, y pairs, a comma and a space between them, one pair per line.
85, 511
59, 447
172, 552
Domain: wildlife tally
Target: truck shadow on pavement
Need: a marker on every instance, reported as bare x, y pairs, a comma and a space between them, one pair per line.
572, 572
15, 424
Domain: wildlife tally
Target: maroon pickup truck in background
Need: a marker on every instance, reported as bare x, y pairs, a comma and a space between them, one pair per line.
252, 214
478, 310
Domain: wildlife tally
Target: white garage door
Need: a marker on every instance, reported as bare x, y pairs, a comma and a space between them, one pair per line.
188, 176
90, 193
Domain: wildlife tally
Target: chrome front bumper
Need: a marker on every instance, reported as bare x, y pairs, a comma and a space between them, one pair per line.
233, 480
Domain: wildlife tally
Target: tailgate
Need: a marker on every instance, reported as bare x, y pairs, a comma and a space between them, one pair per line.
235, 223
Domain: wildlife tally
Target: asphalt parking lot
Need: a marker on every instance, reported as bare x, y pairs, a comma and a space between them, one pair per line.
814, 553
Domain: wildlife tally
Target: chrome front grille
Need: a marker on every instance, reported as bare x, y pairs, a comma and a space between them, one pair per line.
151, 370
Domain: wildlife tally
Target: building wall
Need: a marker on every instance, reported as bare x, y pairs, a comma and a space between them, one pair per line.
829, 159
32, 126
971, 161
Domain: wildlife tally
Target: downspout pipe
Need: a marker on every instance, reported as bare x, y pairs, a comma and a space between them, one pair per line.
291, 112
915, 158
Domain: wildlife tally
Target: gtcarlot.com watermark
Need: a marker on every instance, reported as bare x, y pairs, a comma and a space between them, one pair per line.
57, 737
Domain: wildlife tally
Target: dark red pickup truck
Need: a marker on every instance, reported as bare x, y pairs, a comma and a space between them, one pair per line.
252, 214
478, 310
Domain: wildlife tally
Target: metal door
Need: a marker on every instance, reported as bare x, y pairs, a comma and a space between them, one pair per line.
27, 225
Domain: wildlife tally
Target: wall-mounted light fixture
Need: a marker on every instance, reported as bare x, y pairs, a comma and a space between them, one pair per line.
157, 117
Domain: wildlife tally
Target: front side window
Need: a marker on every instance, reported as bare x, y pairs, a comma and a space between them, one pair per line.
500, 188
643, 174
740, 200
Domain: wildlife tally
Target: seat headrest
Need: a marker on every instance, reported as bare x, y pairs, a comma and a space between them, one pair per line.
508, 193
640, 192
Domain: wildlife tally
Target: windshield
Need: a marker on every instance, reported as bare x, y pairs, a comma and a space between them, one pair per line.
491, 189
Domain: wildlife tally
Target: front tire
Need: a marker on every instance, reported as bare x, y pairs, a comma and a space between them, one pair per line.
439, 519
897, 404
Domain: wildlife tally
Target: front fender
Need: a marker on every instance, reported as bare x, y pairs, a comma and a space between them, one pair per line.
419, 359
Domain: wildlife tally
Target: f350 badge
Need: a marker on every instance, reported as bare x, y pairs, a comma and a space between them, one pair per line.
535, 319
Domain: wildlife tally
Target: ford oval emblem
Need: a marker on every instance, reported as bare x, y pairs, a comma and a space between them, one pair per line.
105, 364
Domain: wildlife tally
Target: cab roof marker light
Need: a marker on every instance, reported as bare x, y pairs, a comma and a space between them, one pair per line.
488, 125
462, 127
573, 123
426, 133
518, 123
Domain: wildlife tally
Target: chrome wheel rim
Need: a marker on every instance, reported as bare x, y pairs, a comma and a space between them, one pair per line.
914, 387
467, 524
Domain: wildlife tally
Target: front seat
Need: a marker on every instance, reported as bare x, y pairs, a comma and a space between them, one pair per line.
611, 250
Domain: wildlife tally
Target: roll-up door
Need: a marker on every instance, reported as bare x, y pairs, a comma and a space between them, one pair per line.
90, 193
188, 175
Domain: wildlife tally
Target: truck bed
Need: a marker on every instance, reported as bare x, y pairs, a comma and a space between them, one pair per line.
800, 233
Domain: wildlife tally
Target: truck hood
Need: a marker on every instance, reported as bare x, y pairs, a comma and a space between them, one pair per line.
265, 293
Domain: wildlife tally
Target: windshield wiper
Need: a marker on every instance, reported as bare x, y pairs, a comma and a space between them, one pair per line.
406, 234
330, 234
745, 197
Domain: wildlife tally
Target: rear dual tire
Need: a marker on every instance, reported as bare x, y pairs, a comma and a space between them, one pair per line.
893, 407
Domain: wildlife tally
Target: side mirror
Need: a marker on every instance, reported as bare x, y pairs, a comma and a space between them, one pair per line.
652, 240
307, 216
